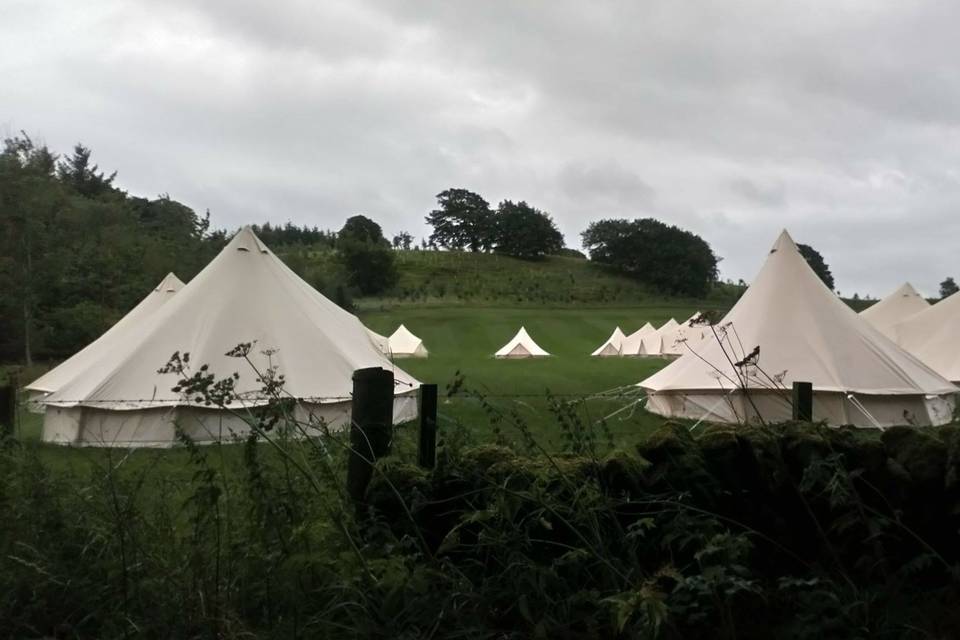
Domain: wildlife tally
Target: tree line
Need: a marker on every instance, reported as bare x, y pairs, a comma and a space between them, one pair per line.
76, 251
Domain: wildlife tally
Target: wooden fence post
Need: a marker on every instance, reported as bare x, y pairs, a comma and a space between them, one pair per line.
428, 426
803, 401
8, 409
371, 426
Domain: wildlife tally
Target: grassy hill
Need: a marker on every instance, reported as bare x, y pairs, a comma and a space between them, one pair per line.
454, 277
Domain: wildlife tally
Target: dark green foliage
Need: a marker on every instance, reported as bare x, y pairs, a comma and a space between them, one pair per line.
362, 229
948, 287
366, 256
280, 238
665, 257
76, 253
524, 232
86, 180
403, 240
791, 531
463, 220
567, 252
817, 263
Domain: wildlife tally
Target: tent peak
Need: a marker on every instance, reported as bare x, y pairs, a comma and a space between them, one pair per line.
170, 284
784, 241
247, 240
907, 289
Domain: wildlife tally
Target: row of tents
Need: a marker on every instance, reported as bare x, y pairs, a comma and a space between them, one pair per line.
404, 344
669, 340
248, 318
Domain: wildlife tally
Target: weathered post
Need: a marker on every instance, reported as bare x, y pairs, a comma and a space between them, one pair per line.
803, 401
428, 426
371, 426
8, 409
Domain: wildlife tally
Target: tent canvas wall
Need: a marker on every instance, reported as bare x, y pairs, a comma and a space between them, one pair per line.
521, 346
683, 337
404, 344
656, 343
933, 335
111, 339
246, 295
804, 332
895, 308
382, 343
633, 345
612, 346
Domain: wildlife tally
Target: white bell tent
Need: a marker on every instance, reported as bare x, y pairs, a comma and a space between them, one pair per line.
683, 337
933, 335
521, 346
246, 295
896, 307
111, 339
658, 343
641, 341
801, 332
612, 346
404, 344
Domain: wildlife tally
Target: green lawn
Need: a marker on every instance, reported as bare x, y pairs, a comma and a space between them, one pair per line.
463, 339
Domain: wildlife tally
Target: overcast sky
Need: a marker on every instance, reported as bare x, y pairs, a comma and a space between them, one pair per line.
730, 119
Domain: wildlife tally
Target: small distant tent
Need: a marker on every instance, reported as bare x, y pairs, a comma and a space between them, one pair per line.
382, 343
658, 343
404, 344
612, 346
641, 341
521, 346
896, 307
112, 339
789, 327
933, 335
246, 317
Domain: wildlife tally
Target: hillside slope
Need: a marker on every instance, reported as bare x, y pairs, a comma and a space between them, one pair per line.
495, 280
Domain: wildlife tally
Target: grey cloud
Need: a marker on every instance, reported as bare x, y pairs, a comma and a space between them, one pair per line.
704, 115
605, 182
769, 195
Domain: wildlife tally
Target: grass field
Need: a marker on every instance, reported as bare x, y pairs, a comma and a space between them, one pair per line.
462, 340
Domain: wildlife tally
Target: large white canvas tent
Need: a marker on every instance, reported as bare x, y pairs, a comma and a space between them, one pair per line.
382, 343
521, 346
404, 344
78, 362
803, 332
896, 307
933, 335
612, 346
246, 295
641, 342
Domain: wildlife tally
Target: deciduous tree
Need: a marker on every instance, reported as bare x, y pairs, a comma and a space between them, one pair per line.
463, 220
525, 232
666, 257
817, 263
